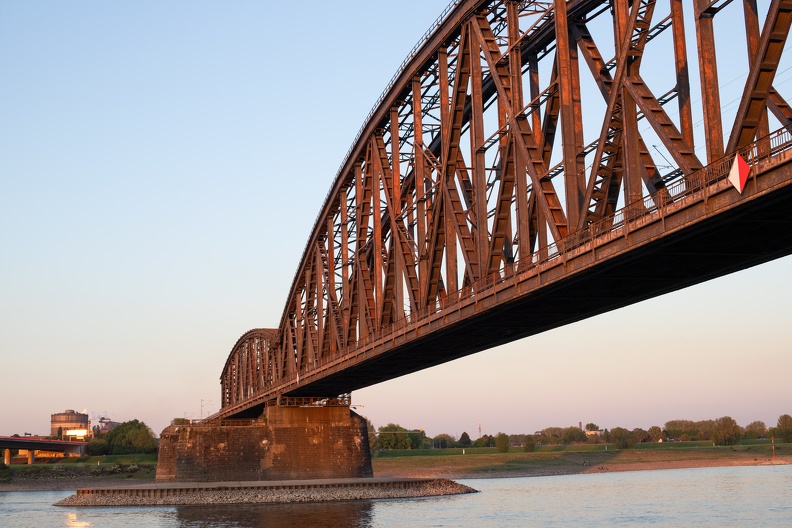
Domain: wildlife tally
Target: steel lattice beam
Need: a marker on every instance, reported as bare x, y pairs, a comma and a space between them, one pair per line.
476, 163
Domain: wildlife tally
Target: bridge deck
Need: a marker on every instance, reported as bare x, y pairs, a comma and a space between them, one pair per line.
57, 446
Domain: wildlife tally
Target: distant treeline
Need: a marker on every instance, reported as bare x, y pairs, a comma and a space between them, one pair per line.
722, 431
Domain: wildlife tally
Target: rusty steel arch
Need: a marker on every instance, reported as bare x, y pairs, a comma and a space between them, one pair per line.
514, 130
251, 366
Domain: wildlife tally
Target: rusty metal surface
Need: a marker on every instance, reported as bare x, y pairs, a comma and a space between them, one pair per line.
475, 168
343, 400
251, 367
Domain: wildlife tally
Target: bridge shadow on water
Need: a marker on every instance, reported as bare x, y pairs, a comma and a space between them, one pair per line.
314, 514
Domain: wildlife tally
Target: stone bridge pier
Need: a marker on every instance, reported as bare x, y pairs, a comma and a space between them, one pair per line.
297, 439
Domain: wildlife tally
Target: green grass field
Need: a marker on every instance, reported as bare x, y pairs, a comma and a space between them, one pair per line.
115, 466
111, 459
574, 448
480, 461
484, 461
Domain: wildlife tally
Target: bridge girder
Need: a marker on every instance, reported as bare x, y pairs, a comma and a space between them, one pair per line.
455, 181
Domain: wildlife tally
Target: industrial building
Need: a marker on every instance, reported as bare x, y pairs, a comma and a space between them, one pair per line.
70, 424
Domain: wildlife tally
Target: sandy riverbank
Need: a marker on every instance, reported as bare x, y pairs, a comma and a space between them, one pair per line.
552, 464
604, 468
682, 464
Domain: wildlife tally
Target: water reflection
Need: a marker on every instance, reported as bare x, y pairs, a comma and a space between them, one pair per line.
357, 514
73, 522
716, 497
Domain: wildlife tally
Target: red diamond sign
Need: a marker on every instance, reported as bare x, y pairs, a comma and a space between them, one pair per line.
738, 175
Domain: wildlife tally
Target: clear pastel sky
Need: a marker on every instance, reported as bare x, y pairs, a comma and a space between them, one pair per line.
161, 166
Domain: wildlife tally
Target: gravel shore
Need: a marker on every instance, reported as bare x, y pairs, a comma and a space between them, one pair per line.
249, 493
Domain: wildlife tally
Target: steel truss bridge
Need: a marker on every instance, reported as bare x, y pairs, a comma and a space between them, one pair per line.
531, 164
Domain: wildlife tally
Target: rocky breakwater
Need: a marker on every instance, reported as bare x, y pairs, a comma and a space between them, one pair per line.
264, 492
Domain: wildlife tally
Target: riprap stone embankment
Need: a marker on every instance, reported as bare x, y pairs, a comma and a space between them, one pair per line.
264, 492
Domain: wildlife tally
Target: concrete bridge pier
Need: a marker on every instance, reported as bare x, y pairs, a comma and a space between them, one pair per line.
7, 457
31, 457
288, 442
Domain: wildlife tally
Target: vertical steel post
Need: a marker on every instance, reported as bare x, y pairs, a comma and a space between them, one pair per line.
753, 38
419, 177
478, 156
708, 73
395, 214
376, 178
346, 264
682, 72
520, 177
571, 114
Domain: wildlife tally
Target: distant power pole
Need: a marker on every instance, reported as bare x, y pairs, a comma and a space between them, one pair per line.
204, 402
479, 430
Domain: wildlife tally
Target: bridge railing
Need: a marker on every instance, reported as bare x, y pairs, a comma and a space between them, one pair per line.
344, 400
214, 422
675, 192
633, 214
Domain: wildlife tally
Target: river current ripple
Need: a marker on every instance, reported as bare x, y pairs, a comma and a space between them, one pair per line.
728, 496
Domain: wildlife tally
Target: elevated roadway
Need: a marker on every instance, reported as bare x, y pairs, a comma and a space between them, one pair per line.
38, 444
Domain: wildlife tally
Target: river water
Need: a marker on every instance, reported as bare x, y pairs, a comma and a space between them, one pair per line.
729, 496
